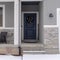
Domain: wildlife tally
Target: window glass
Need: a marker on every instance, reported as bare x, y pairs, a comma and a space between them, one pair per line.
1, 20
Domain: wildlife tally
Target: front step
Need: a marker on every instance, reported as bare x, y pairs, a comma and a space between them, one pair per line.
33, 52
32, 47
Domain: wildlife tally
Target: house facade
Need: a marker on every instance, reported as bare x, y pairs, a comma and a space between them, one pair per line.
30, 25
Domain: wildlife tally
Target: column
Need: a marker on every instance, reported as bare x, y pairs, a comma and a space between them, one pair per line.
16, 23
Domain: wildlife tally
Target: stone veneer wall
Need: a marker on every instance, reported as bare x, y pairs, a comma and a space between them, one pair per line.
10, 35
51, 43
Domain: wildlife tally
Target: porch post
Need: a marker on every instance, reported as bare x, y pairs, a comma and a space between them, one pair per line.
16, 23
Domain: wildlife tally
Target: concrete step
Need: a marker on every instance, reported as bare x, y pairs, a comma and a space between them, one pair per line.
33, 52
32, 47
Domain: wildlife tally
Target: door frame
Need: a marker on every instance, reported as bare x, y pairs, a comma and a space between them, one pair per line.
23, 24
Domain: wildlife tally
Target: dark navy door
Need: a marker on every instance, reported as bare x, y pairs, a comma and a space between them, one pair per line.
30, 26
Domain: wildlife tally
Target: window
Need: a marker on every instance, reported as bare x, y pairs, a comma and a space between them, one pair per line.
1, 20
2, 15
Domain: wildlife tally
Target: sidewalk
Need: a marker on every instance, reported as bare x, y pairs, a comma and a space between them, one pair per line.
41, 57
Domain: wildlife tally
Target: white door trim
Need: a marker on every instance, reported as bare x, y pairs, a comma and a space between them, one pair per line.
23, 24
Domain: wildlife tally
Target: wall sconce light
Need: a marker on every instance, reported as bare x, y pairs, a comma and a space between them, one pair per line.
51, 15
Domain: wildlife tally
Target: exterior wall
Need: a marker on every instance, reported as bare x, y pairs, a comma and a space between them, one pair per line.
9, 13
50, 6
51, 34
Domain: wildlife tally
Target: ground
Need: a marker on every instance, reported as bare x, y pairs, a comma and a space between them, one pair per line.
31, 57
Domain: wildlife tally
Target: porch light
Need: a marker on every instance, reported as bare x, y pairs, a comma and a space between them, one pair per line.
51, 15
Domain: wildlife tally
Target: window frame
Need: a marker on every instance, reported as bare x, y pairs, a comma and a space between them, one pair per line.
3, 16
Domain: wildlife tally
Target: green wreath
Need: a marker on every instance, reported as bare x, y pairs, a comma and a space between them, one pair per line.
29, 19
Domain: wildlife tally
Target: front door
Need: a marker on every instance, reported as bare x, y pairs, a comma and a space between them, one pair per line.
30, 27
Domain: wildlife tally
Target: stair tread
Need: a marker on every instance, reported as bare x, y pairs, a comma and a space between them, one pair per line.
31, 45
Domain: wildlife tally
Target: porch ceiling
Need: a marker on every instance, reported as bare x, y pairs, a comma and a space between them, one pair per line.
30, 3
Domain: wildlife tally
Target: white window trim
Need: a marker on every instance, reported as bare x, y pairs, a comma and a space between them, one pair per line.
50, 26
6, 0
6, 28
3, 18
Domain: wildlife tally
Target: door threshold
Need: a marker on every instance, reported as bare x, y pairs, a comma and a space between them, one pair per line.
30, 41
